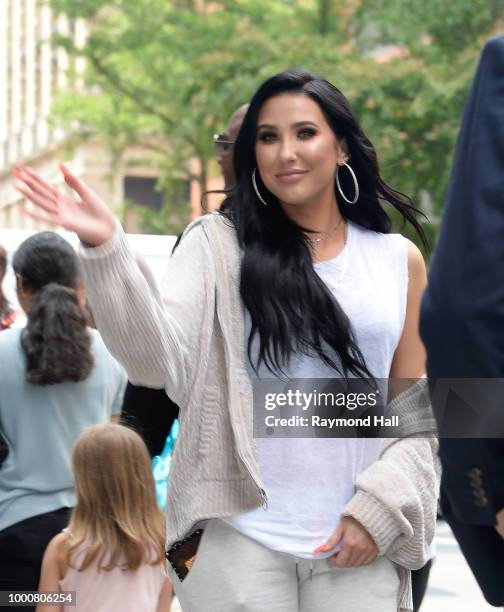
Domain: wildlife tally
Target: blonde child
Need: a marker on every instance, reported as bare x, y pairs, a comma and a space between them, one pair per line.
112, 553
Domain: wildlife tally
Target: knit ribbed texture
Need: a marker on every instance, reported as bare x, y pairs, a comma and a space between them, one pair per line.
190, 341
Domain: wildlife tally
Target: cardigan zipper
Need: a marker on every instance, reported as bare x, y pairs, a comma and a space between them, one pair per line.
262, 492
228, 352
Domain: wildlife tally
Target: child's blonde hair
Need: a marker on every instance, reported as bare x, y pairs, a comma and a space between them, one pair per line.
116, 517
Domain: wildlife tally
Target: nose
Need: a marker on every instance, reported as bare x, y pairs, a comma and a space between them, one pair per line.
287, 149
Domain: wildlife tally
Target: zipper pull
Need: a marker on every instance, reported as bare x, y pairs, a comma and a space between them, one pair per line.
264, 499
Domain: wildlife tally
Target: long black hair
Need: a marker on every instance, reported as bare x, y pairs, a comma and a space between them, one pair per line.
291, 309
56, 341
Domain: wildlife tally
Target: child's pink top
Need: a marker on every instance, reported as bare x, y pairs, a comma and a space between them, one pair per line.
117, 589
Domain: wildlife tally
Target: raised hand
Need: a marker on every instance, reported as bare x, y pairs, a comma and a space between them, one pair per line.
357, 546
86, 215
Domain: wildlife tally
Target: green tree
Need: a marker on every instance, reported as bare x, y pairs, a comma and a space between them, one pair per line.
166, 74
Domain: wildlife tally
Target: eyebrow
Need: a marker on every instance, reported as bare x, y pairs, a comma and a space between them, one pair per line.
298, 124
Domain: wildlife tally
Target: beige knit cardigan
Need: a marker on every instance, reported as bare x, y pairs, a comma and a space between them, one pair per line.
188, 337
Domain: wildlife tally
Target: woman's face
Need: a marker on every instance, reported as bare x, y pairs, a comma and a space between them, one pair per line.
296, 150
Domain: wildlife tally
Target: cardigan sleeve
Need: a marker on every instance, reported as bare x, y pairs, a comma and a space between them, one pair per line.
154, 334
396, 500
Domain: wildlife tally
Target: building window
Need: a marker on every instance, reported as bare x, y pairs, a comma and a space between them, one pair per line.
142, 190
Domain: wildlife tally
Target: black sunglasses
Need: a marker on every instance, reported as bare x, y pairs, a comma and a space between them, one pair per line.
222, 144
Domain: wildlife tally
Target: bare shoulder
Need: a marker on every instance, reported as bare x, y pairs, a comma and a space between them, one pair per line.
416, 263
53, 570
55, 553
58, 543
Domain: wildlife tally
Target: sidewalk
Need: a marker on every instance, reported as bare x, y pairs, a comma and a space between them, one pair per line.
452, 586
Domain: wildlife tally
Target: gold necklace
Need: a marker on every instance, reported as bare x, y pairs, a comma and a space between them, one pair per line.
314, 241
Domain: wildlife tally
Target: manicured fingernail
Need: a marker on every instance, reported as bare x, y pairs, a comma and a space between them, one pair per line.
319, 549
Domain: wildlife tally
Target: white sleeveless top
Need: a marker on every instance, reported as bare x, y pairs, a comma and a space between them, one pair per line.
310, 480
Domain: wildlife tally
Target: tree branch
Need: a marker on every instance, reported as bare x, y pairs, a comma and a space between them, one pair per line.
120, 86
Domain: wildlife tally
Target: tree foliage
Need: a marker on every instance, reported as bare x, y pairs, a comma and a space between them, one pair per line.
167, 74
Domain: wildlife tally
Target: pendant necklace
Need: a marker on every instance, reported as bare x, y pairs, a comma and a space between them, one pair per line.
314, 241
334, 285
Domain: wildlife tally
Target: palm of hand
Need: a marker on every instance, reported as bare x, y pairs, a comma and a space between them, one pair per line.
86, 215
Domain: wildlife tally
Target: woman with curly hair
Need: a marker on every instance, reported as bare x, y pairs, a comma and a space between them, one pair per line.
56, 379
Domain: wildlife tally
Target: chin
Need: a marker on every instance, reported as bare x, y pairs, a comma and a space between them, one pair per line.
294, 202
297, 199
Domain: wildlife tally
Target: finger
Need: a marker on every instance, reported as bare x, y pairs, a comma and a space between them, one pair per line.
31, 181
40, 201
75, 183
369, 558
36, 187
352, 553
332, 541
51, 220
342, 559
35, 181
364, 558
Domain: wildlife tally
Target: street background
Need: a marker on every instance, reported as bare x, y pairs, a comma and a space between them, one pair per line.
129, 93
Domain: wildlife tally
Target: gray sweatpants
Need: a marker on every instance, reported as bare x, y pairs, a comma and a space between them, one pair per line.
233, 573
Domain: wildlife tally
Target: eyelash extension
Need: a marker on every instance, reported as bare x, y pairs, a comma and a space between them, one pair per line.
308, 131
265, 136
268, 136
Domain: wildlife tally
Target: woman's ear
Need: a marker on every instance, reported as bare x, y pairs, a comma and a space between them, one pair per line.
23, 294
342, 151
20, 288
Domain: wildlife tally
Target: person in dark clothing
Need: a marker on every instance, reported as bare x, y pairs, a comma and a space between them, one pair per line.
462, 322
151, 413
419, 582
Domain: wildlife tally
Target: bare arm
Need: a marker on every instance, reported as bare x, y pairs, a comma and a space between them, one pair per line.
408, 509
53, 570
397, 521
409, 361
165, 597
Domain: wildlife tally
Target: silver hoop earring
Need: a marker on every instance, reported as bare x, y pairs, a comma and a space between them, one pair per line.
256, 189
356, 184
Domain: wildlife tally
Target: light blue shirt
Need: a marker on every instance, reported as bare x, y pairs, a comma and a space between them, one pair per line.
41, 424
